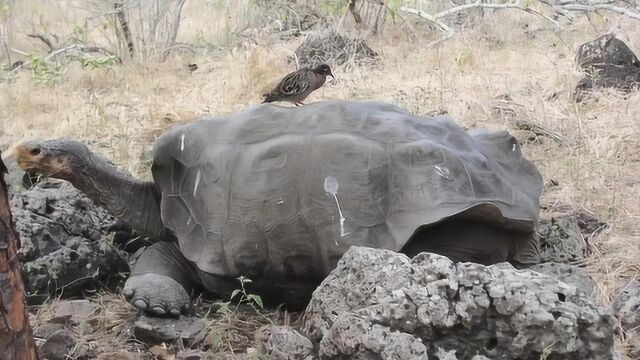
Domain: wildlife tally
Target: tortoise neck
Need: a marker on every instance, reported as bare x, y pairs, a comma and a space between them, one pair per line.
127, 198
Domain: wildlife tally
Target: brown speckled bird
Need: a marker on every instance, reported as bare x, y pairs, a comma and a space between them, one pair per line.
296, 86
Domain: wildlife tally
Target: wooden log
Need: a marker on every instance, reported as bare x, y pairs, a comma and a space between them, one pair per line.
16, 336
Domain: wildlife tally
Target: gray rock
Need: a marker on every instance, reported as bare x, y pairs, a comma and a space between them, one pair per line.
358, 336
561, 240
53, 212
565, 238
65, 243
58, 346
284, 343
193, 354
569, 274
45, 330
76, 311
77, 265
607, 62
379, 301
626, 306
188, 329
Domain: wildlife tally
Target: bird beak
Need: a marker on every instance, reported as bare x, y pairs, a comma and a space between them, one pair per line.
330, 74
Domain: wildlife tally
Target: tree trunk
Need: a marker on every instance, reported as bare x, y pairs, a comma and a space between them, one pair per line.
124, 27
16, 337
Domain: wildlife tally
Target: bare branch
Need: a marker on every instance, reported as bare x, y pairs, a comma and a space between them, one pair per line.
516, 5
431, 18
354, 12
175, 27
595, 7
476, 5
44, 39
561, 8
49, 57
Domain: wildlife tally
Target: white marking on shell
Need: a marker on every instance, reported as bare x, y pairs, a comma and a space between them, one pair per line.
331, 186
443, 171
197, 182
513, 148
280, 202
189, 221
182, 142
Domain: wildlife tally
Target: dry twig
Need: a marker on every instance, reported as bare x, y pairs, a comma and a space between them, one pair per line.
44, 39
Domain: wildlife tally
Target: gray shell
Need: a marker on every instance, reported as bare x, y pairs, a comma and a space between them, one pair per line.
252, 191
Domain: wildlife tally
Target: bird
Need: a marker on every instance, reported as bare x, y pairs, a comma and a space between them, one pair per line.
192, 67
296, 86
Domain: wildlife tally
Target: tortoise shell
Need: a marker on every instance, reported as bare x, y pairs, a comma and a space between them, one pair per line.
286, 191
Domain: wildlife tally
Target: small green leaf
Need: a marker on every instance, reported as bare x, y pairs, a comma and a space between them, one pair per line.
223, 309
247, 280
234, 293
394, 5
256, 299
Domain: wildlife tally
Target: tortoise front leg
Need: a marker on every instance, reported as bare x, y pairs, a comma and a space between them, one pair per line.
162, 281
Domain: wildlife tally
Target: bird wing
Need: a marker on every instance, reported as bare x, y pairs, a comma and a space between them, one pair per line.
295, 83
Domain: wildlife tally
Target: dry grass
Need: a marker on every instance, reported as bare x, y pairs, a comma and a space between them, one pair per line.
508, 55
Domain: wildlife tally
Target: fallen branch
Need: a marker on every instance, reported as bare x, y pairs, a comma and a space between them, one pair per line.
98, 49
596, 7
49, 57
538, 130
563, 8
508, 110
436, 18
73, 47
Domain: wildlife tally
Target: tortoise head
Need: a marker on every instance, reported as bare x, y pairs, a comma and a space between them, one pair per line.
134, 201
58, 158
323, 69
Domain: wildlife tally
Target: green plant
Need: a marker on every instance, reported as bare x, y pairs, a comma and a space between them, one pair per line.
332, 7
4, 11
253, 300
44, 72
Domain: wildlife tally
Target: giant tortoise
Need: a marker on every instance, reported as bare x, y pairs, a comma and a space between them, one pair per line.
278, 194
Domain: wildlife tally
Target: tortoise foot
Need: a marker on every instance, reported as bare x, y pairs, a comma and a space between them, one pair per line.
157, 294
